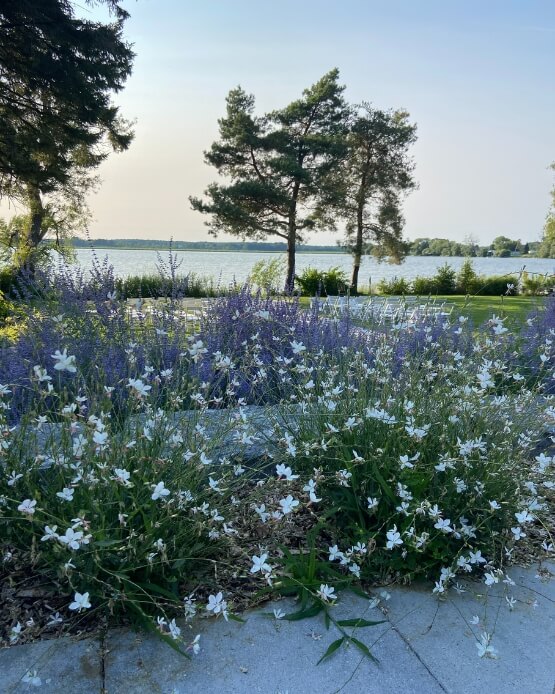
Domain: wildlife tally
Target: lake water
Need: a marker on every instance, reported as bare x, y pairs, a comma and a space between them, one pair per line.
227, 266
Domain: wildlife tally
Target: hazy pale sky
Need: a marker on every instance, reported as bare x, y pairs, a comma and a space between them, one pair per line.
477, 77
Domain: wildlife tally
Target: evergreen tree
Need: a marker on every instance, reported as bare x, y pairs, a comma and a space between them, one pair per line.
547, 245
57, 122
376, 174
277, 167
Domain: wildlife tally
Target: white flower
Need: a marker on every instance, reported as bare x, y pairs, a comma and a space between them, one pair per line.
175, 631
41, 374
491, 578
286, 473
484, 648
27, 506
278, 614
217, 605
393, 538
15, 633
517, 532
122, 476
72, 538
100, 438
204, 459
288, 504
80, 602
373, 503
66, 494
335, 553
12, 479
159, 491
56, 618
50, 533
32, 678
524, 517
259, 564
326, 593
297, 347
195, 645
310, 487
139, 386
64, 362
444, 525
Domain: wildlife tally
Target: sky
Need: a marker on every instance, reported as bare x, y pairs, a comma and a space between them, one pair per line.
476, 76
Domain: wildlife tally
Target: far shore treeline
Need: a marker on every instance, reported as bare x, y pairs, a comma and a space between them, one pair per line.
501, 247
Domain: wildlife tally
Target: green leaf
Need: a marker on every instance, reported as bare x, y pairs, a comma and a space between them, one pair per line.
235, 618
304, 614
362, 647
153, 588
358, 622
331, 649
107, 543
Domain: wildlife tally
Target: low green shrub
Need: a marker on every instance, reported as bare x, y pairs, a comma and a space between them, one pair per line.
268, 275
422, 286
158, 287
467, 279
537, 285
315, 282
396, 286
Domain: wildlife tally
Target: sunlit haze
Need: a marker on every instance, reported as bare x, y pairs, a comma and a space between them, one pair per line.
476, 76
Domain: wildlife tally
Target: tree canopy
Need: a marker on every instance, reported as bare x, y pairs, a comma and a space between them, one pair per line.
58, 72
547, 245
374, 176
276, 166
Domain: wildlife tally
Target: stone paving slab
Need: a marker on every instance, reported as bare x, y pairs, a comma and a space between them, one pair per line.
63, 665
443, 637
425, 647
265, 656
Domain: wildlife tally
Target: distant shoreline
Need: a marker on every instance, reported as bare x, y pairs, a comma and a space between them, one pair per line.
201, 250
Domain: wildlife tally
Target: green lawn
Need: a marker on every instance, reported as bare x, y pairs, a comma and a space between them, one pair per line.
480, 308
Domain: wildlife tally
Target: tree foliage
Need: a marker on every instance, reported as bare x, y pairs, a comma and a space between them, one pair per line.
276, 166
547, 245
58, 72
375, 176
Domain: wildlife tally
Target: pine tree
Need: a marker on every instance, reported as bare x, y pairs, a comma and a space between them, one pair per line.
277, 167
58, 72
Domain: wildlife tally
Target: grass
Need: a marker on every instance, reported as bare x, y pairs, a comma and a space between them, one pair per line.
481, 308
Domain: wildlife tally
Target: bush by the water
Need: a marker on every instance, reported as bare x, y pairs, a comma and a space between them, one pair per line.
447, 281
157, 287
313, 282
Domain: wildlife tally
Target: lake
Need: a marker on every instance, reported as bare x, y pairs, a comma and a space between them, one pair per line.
227, 266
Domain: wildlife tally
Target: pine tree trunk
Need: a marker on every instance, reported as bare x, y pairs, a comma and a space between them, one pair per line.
292, 240
357, 251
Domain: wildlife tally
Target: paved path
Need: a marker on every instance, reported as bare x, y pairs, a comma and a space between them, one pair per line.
424, 647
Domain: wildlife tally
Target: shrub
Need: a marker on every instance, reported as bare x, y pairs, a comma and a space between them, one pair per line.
537, 284
497, 285
268, 275
420, 474
445, 280
396, 286
315, 282
422, 286
467, 279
